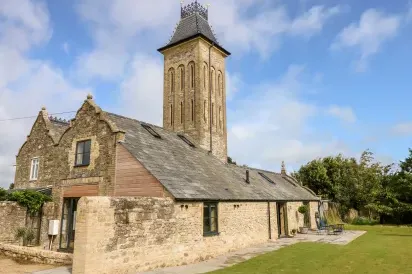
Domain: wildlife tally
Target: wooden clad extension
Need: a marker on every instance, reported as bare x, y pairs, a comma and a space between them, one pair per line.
133, 179
81, 190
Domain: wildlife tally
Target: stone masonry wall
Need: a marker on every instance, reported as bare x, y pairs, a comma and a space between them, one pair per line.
12, 217
39, 144
181, 57
313, 209
127, 235
295, 219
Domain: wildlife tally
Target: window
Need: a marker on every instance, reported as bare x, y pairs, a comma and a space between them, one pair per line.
181, 112
210, 225
213, 80
34, 170
182, 78
151, 131
192, 75
219, 79
172, 82
83, 153
187, 141
266, 178
213, 113
220, 117
204, 110
171, 115
193, 111
204, 76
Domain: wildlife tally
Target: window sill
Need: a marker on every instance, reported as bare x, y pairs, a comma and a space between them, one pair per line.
211, 234
33, 180
81, 165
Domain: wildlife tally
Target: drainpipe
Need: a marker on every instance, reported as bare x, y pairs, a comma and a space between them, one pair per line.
210, 98
270, 225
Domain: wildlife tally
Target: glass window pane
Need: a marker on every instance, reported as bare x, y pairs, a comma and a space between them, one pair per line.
206, 211
80, 147
206, 225
79, 159
213, 211
213, 224
86, 158
87, 145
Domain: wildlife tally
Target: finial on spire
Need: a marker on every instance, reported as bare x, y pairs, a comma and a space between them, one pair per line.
89, 96
193, 8
283, 170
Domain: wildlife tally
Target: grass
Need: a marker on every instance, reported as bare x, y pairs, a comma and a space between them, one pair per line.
383, 249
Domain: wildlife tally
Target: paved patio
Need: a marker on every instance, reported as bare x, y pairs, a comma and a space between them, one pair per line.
241, 255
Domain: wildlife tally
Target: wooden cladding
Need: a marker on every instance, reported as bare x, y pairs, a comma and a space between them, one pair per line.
81, 190
133, 179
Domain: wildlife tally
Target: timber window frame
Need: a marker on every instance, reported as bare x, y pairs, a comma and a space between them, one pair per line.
83, 151
34, 168
210, 219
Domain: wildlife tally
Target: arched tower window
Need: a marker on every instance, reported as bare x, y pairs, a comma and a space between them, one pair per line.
220, 117
204, 110
204, 75
213, 114
182, 77
181, 112
172, 80
171, 115
219, 83
213, 80
192, 74
193, 110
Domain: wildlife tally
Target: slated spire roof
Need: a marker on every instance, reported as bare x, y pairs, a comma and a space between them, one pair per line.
193, 23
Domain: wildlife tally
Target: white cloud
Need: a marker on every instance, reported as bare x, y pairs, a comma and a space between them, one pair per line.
66, 47
346, 114
273, 124
402, 128
26, 84
368, 35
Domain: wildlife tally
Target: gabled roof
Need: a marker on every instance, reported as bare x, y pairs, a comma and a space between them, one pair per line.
191, 173
193, 23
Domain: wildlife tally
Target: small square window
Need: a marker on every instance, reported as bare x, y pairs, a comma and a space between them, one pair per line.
34, 170
83, 153
210, 219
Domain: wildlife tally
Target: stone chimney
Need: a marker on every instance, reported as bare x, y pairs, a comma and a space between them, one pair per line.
283, 169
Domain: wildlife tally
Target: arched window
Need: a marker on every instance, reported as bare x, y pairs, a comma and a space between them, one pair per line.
213, 113
182, 78
192, 75
181, 112
213, 80
204, 75
204, 110
220, 117
172, 81
193, 111
171, 115
219, 83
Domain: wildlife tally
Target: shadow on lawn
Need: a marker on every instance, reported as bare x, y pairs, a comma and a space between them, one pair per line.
398, 235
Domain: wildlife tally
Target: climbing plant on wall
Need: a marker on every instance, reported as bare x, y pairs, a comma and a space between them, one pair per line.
33, 200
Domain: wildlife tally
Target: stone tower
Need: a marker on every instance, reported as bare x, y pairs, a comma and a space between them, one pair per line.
194, 98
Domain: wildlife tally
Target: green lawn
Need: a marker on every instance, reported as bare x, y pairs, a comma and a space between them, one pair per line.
383, 249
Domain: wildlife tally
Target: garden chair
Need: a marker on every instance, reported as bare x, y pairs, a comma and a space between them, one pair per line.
321, 225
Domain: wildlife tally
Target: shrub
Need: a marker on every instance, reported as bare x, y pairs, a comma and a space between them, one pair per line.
33, 200
25, 234
303, 209
3, 194
364, 221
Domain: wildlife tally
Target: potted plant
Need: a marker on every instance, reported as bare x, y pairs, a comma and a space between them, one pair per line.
293, 231
304, 211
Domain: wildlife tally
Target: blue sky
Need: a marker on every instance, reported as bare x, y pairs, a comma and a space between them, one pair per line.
306, 78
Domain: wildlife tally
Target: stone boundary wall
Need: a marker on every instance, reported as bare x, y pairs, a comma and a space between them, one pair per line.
12, 217
36, 255
128, 235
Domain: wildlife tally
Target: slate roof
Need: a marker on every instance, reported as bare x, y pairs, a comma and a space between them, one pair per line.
193, 174
57, 128
190, 27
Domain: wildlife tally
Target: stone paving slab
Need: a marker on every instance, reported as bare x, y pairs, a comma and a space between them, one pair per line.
242, 255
